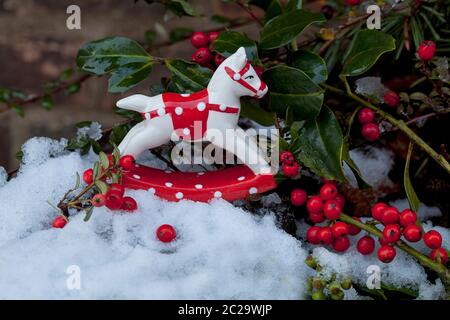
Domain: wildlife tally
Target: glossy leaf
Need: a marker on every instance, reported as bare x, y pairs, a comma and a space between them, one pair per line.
123, 58
188, 77
251, 110
367, 46
280, 30
229, 41
291, 87
311, 64
413, 199
321, 145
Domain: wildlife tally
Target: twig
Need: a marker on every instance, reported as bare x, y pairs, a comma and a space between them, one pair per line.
250, 12
401, 125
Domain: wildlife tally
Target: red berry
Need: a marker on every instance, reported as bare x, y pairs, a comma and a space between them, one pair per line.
311, 234
340, 199
439, 254
339, 229
383, 242
202, 56
166, 233
407, 217
432, 239
218, 59
317, 217
113, 200
370, 131
314, 204
117, 187
391, 98
386, 253
291, 169
59, 222
328, 191
287, 157
341, 244
412, 233
426, 50
129, 204
366, 115
298, 197
390, 216
365, 245
377, 209
88, 176
332, 210
199, 39
352, 230
213, 35
352, 2
98, 200
127, 162
325, 235
392, 233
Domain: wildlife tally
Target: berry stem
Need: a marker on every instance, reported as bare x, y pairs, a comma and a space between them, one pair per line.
425, 261
400, 124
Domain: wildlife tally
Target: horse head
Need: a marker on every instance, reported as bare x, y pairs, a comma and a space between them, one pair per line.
240, 74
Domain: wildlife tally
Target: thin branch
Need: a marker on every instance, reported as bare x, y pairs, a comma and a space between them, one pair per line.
250, 12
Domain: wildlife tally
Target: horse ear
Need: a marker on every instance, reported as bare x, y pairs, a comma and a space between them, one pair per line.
240, 58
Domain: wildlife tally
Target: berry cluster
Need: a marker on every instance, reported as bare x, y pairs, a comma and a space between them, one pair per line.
370, 130
203, 55
397, 224
290, 167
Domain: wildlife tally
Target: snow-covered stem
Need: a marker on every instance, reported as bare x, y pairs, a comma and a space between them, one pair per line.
400, 124
425, 261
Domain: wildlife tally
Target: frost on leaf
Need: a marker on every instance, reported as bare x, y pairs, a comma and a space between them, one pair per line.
371, 87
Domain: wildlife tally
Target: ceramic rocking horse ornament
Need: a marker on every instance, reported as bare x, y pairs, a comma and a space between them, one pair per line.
208, 115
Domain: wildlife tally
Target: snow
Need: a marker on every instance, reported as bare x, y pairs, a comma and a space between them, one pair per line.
425, 212
92, 131
371, 87
3, 176
374, 163
222, 252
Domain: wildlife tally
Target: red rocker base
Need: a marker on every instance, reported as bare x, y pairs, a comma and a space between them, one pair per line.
230, 184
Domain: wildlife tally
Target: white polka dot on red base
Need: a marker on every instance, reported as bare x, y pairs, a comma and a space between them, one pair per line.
253, 190
241, 178
198, 186
201, 106
136, 176
168, 184
179, 195
152, 190
178, 110
217, 194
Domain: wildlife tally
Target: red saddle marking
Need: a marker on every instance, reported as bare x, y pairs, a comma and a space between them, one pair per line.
189, 113
230, 184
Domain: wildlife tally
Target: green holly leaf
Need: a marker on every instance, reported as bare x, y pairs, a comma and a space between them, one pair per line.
311, 64
280, 30
228, 42
321, 145
181, 8
413, 199
123, 58
250, 109
367, 46
47, 102
188, 77
291, 87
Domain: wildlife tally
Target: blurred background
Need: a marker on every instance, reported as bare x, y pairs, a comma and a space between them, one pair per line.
36, 46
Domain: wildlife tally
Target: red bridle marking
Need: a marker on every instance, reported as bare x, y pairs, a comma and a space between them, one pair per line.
237, 76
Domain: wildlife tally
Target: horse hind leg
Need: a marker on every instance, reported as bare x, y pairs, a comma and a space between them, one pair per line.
145, 135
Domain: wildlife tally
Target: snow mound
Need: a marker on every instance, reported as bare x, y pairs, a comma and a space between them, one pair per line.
221, 252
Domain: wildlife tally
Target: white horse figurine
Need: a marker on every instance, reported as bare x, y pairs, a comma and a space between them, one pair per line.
209, 114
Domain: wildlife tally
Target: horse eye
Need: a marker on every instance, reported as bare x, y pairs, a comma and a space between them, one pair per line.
249, 77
